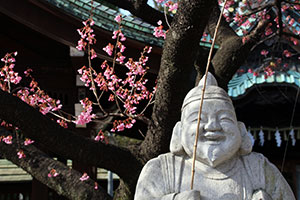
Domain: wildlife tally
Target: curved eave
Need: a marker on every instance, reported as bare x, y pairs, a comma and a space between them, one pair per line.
239, 86
104, 18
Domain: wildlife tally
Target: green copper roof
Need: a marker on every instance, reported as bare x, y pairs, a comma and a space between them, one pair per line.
133, 28
239, 84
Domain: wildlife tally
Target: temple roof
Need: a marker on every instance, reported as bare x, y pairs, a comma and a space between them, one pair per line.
239, 85
103, 16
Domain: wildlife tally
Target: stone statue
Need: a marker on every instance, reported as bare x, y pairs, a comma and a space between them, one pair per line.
225, 168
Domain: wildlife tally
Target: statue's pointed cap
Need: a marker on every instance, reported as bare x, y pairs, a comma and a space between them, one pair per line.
211, 80
212, 91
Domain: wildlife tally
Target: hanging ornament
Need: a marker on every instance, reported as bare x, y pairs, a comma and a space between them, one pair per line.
251, 137
292, 134
261, 137
278, 138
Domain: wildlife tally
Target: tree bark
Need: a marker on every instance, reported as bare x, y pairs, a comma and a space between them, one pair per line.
177, 62
38, 164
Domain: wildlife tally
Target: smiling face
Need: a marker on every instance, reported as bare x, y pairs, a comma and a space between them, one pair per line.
219, 134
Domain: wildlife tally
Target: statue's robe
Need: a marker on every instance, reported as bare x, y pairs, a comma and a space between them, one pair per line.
165, 176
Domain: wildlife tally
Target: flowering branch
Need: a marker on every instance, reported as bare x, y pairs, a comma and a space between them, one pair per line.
127, 92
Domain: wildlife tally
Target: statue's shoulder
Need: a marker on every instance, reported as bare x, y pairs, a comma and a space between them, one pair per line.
163, 159
254, 158
168, 159
254, 164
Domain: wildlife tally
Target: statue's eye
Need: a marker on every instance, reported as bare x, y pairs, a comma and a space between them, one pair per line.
226, 119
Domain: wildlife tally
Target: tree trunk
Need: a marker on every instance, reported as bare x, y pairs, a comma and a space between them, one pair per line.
124, 192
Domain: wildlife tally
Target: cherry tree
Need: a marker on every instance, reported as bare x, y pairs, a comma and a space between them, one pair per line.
27, 113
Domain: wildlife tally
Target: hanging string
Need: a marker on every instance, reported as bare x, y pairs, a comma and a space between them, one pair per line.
292, 119
203, 90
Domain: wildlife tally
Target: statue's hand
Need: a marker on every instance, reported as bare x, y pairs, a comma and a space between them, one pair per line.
188, 195
261, 195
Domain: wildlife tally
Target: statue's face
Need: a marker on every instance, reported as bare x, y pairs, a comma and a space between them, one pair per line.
219, 134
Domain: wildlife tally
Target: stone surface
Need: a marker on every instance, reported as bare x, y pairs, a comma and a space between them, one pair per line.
225, 167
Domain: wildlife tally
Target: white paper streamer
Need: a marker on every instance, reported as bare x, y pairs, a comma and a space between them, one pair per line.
292, 134
251, 137
261, 137
278, 138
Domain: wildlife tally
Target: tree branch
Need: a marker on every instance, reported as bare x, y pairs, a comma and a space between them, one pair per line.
291, 35
64, 142
278, 6
291, 2
233, 52
225, 31
38, 164
141, 9
259, 9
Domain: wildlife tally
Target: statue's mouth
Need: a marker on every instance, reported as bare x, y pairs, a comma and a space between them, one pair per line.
213, 137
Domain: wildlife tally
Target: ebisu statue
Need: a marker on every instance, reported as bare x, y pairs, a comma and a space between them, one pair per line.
225, 167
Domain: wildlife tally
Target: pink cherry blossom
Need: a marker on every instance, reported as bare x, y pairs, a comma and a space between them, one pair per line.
158, 31
7, 139
21, 154
93, 54
28, 141
84, 177
287, 54
62, 123
291, 22
295, 41
264, 52
85, 116
109, 49
115, 34
120, 58
52, 173
148, 49
172, 6
123, 38
121, 127
297, 7
81, 45
268, 31
118, 18
122, 48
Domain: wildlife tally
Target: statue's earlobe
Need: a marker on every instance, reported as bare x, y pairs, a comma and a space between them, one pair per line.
246, 146
175, 144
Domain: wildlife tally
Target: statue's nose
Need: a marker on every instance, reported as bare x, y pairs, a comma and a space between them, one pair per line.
212, 125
